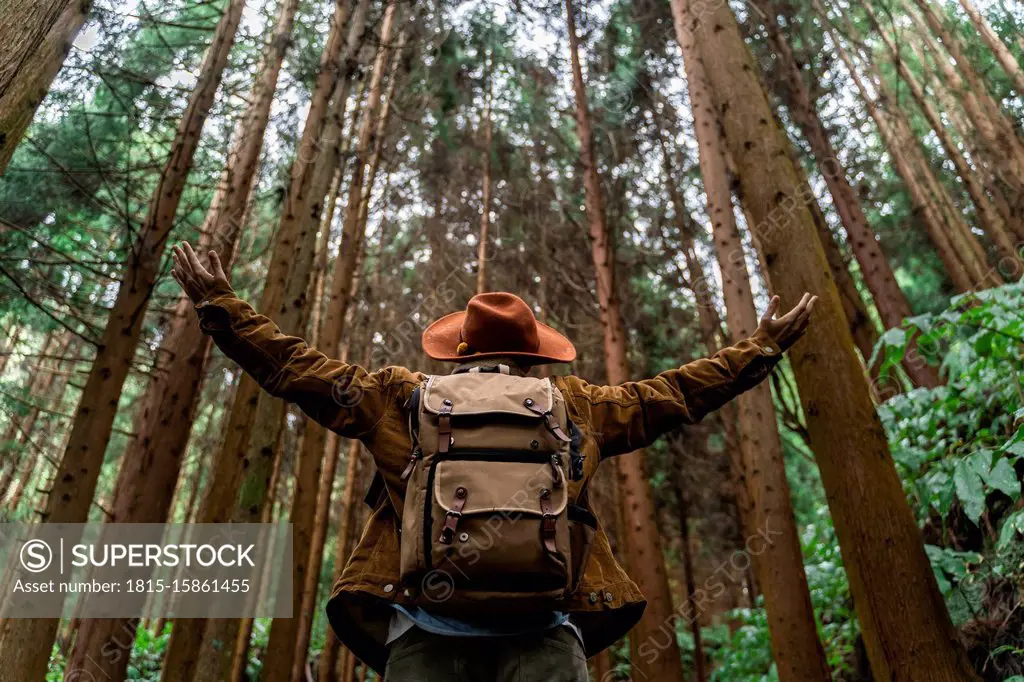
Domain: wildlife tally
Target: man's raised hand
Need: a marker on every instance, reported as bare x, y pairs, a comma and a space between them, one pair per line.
197, 281
786, 330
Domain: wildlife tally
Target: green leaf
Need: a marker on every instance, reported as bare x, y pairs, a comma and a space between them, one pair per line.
1015, 446
970, 489
922, 322
983, 343
1012, 526
1004, 478
981, 462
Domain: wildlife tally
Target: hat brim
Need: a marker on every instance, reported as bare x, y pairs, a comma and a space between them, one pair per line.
441, 342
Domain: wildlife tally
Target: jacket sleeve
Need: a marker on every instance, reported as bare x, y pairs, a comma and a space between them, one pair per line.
342, 397
633, 415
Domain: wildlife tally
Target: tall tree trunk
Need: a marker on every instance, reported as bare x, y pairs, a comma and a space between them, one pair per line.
332, 647
281, 649
642, 542
989, 121
37, 36
714, 337
998, 47
25, 644
700, 673
799, 655
906, 629
289, 268
988, 216
921, 202
153, 460
485, 208
889, 300
963, 240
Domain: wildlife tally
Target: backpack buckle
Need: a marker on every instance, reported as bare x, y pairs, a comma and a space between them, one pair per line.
451, 518
451, 522
548, 522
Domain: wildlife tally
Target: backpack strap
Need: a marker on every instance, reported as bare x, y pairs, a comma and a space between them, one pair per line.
549, 419
416, 453
377, 492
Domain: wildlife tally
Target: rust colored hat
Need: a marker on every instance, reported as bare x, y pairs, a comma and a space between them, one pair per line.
496, 325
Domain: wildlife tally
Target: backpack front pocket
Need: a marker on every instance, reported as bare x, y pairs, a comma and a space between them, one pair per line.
497, 521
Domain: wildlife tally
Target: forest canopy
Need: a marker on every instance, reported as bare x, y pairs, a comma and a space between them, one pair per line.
646, 175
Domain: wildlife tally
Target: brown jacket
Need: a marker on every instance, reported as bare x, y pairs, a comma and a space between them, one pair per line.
372, 407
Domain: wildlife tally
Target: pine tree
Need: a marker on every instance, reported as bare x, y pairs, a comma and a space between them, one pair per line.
25, 644
797, 650
906, 629
643, 545
283, 297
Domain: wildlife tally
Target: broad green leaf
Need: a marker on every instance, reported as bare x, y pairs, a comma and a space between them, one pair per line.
1012, 526
1004, 478
981, 462
970, 490
922, 322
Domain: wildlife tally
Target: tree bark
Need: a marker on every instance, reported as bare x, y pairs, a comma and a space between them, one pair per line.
988, 216
642, 542
485, 209
37, 36
999, 49
284, 633
283, 297
798, 653
879, 278
921, 203
25, 644
906, 629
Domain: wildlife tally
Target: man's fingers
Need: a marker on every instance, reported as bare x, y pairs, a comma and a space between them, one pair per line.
193, 260
773, 307
804, 319
184, 283
215, 264
799, 309
179, 258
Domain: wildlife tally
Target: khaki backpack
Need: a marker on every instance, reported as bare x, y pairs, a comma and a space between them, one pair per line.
489, 516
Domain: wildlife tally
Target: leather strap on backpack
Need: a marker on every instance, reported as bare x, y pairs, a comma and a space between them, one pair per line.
549, 419
451, 519
444, 427
548, 522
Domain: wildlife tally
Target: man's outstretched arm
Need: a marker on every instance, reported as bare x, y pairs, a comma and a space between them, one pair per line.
634, 414
342, 397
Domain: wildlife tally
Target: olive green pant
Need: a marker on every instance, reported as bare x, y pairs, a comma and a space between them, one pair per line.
552, 656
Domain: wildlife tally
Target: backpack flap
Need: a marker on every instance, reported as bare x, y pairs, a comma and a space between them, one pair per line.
499, 519
479, 394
